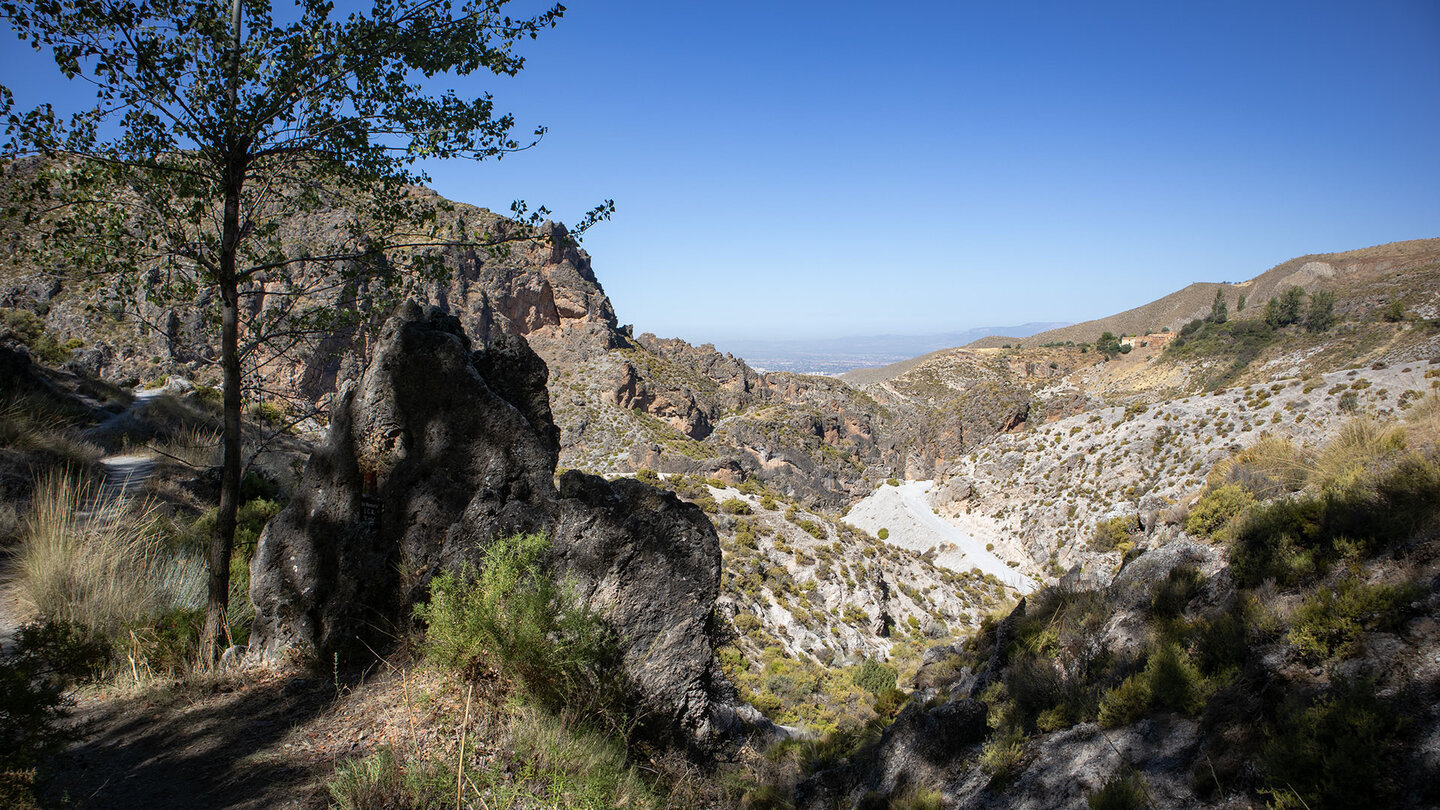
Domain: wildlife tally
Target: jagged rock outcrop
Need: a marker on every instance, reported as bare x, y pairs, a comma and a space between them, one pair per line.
433, 454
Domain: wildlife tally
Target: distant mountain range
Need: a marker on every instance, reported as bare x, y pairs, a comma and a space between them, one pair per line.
842, 354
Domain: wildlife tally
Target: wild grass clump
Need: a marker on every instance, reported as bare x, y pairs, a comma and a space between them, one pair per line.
1123, 791
35, 424
384, 781
1269, 468
512, 620
195, 446
101, 564
570, 766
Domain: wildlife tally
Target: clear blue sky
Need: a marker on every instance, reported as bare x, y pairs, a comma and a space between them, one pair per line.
786, 169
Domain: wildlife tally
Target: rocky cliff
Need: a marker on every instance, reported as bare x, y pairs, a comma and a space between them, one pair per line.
436, 451
621, 403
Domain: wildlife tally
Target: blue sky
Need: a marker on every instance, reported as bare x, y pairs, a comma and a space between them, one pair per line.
791, 169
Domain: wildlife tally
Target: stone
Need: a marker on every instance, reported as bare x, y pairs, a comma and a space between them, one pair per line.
433, 454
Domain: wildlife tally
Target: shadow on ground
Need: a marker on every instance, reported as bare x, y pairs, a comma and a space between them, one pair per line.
227, 746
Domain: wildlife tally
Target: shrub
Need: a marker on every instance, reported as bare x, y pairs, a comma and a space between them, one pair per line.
1216, 509
1339, 751
811, 528
1174, 592
1293, 540
1114, 531
735, 506
34, 672
1123, 791
1329, 621
513, 620
1003, 755
883, 534
874, 677
1169, 682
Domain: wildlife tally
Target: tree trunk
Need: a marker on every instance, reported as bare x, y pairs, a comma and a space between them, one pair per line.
222, 543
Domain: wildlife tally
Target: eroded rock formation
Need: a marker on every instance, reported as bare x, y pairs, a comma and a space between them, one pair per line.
432, 455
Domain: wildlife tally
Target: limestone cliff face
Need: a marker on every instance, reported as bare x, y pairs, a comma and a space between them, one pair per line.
437, 451
621, 403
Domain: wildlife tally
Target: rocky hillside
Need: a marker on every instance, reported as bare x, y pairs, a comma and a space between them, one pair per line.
1373, 266
622, 403
1285, 655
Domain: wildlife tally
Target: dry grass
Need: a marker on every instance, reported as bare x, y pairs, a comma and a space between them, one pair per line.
1271, 467
1353, 456
101, 565
33, 424
193, 445
1422, 423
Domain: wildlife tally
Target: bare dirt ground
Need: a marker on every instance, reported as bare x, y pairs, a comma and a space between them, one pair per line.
254, 739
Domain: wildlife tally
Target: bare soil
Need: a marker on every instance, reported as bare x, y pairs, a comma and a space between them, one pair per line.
252, 739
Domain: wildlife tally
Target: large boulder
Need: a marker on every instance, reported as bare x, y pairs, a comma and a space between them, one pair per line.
437, 451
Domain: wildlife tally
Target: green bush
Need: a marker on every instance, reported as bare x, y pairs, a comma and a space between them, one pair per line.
1330, 621
1216, 508
1170, 595
513, 620
1342, 750
735, 506
1169, 682
1003, 755
1291, 541
43, 659
811, 528
1114, 531
883, 534
875, 677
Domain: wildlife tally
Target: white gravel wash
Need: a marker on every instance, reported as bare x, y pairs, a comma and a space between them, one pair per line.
905, 510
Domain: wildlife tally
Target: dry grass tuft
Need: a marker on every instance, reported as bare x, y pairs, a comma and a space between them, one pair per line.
1354, 455
103, 565
194, 445
33, 424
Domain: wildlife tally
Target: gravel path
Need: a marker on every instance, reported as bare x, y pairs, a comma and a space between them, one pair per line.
905, 510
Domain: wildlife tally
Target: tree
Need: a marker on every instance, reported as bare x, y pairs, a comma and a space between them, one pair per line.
1240, 304
1108, 344
1219, 311
217, 122
1285, 310
1322, 311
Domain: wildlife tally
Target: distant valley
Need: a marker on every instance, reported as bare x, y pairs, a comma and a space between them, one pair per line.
832, 356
